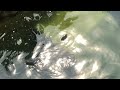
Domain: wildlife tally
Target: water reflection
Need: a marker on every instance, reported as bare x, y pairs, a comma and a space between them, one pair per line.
87, 46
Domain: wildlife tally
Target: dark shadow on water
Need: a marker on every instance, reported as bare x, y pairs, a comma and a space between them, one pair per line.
116, 15
70, 72
16, 36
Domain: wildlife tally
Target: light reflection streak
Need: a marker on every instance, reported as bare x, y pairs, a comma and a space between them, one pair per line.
34, 55
78, 50
95, 67
28, 73
96, 48
47, 46
79, 39
81, 76
2, 35
20, 56
3, 56
79, 66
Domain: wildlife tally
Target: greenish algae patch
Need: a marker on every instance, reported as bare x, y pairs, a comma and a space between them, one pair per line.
82, 22
75, 25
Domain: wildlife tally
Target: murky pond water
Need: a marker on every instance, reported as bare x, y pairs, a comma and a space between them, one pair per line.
60, 44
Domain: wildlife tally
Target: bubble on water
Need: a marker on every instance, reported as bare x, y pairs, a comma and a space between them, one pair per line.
19, 41
27, 18
36, 16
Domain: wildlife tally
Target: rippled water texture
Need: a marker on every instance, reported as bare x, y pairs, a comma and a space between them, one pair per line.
60, 45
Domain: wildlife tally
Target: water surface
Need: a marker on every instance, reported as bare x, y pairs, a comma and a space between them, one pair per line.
75, 44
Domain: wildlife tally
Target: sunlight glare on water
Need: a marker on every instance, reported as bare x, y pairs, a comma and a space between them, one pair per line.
72, 45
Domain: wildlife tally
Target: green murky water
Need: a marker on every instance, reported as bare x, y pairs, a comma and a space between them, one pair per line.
91, 37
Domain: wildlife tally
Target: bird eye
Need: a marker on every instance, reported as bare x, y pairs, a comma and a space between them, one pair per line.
64, 37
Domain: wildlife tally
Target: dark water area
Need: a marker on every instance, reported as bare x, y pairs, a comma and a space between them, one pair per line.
17, 35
